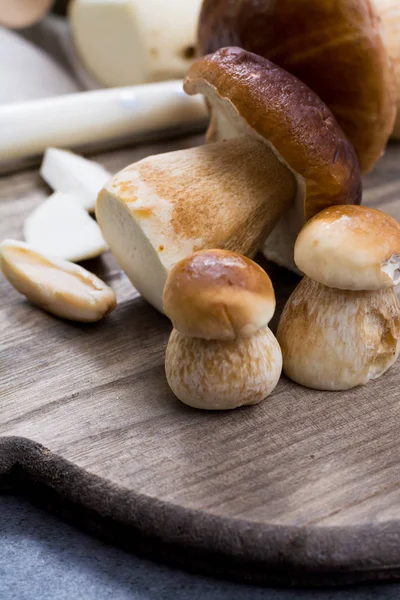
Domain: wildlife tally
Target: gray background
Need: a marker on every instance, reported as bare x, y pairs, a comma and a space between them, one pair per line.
42, 558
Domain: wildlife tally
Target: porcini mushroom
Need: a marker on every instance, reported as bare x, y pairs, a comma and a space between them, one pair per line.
389, 12
336, 48
341, 326
287, 157
221, 353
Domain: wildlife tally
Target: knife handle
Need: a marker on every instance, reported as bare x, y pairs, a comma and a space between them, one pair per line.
100, 118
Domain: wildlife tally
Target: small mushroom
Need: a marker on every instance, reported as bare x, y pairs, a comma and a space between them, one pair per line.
57, 286
221, 353
128, 42
341, 327
286, 160
336, 47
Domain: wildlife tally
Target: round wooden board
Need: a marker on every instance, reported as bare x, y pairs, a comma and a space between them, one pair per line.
302, 489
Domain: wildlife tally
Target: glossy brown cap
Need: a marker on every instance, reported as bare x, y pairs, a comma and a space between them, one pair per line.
350, 248
218, 295
335, 47
250, 95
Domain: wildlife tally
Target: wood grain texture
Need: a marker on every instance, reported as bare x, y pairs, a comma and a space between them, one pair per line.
305, 469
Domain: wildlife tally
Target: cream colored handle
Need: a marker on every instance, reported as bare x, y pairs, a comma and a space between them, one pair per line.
96, 118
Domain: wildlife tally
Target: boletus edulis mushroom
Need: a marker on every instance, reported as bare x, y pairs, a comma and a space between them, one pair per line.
341, 326
336, 47
286, 160
221, 353
389, 12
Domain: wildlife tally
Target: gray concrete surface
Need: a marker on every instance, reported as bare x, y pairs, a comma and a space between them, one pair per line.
42, 558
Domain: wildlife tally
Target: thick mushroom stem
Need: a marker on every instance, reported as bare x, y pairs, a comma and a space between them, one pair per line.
225, 195
222, 375
337, 339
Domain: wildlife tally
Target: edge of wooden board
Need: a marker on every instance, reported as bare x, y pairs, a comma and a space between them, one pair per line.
200, 542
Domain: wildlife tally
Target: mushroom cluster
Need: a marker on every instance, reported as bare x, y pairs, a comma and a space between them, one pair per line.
278, 163
276, 158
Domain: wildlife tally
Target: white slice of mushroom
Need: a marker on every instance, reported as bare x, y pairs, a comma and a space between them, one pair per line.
60, 227
70, 173
59, 287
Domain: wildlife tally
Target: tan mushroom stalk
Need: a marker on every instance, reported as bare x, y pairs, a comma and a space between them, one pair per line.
221, 353
341, 326
336, 47
286, 157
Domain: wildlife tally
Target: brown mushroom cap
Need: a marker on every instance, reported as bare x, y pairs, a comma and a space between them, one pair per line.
20, 13
336, 48
249, 95
218, 295
350, 248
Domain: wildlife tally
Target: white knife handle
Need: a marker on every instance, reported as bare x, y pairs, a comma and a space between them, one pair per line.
96, 117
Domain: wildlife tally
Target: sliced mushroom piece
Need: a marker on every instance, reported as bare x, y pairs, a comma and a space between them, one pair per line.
70, 173
341, 326
60, 227
286, 156
59, 287
337, 48
221, 353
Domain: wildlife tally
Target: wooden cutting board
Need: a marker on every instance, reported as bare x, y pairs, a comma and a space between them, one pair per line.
302, 489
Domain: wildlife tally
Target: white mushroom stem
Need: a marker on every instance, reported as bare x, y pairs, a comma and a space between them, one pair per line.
127, 42
337, 339
221, 375
224, 195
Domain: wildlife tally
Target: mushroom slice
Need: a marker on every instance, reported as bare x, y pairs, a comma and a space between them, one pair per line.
341, 326
286, 157
221, 353
59, 287
336, 47
60, 227
70, 173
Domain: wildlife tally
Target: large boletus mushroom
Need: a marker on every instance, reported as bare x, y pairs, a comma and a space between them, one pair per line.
285, 160
336, 48
389, 12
